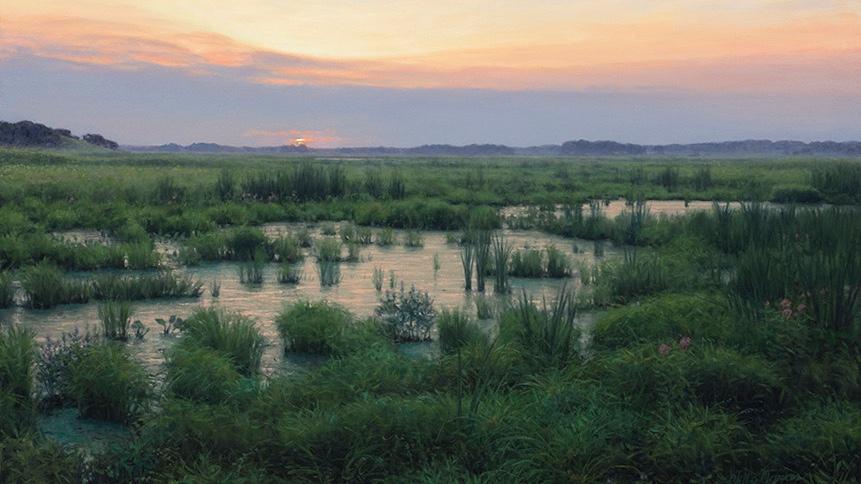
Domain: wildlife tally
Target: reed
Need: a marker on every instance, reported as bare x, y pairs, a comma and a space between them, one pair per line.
501, 258
229, 333
289, 274
457, 330
385, 237
467, 260
558, 264
163, 284
287, 249
45, 287
413, 239
482, 241
377, 278
115, 317
547, 334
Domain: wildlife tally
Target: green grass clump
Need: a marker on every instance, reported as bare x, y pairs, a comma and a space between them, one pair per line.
328, 250
243, 243
527, 263
457, 330
231, 334
17, 358
115, 317
413, 239
546, 335
323, 328
251, 271
107, 384
385, 237
200, 374
163, 284
45, 287
287, 249
7, 290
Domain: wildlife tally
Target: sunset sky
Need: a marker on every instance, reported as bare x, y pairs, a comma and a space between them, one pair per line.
406, 72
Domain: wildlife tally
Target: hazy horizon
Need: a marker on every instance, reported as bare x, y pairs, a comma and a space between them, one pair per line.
409, 73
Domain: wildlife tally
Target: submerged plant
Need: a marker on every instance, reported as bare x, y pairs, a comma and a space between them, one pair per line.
407, 316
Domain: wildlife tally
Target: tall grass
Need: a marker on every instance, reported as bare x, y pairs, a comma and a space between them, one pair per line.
840, 181
288, 274
230, 333
413, 239
501, 257
251, 272
558, 264
115, 317
106, 383
7, 290
527, 263
377, 278
314, 327
164, 284
17, 358
287, 249
482, 241
457, 330
45, 287
385, 237
467, 260
546, 334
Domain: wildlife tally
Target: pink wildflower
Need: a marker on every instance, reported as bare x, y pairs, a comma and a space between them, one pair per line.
787, 313
786, 303
801, 308
685, 342
664, 349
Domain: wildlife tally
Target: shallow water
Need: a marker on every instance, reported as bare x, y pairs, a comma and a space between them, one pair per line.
656, 207
356, 291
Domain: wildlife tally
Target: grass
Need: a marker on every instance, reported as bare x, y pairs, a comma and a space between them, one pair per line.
413, 239
501, 259
385, 237
163, 284
231, 334
677, 381
107, 384
115, 317
45, 287
289, 274
457, 330
17, 360
324, 328
7, 290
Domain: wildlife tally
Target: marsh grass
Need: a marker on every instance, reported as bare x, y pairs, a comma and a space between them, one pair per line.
558, 264
115, 317
377, 278
163, 284
289, 274
7, 290
287, 249
457, 330
413, 239
107, 384
354, 252
328, 250
501, 259
45, 287
328, 272
385, 237
231, 334
200, 374
215, 288
482, 242
251, 272
547, 334
17, 360
467, 260
314, 327
527, 263
484, 307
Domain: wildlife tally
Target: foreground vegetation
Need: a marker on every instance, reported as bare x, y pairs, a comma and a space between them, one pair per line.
728, 347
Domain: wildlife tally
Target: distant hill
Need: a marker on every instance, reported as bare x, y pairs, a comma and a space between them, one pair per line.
30, 134
34, 135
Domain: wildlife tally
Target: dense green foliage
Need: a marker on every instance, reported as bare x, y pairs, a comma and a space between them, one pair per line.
727, 345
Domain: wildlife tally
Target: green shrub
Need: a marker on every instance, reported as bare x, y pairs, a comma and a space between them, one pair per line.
457, 330
407, 316
527, 263
28, 459
231, 334
244, 242
107, 384
200, 374
795, 194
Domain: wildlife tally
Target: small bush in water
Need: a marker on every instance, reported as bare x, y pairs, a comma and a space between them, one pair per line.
408, 316
313, 327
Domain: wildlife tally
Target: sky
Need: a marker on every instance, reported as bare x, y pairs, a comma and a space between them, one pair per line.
409, 72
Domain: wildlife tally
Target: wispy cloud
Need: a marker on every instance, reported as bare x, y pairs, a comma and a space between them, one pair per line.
821, 50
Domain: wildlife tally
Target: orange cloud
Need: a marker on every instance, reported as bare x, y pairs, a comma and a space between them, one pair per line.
802, 53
